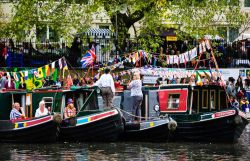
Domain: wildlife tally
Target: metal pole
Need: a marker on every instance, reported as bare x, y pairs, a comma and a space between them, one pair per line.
116, 34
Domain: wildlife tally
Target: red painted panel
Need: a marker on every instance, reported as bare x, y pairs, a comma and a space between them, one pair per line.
163, 100
39, 120
96, 117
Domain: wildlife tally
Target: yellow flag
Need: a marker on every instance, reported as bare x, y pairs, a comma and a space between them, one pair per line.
40, 72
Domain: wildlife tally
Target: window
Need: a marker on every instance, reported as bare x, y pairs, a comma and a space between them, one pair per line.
233, 34
48, 101
223, 100
247, 3
212, 100
173, 101
205, 99
104, 27
195, 104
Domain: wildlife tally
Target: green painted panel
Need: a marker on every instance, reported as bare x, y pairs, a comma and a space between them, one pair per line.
6, 106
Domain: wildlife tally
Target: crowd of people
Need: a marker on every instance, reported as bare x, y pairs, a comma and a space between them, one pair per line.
237, 92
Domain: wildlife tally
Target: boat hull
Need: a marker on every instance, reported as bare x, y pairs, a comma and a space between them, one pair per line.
225, 129
152, 131
104, 126
41, 130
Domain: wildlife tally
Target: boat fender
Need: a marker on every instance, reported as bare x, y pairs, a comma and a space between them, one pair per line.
172, 125
57, 118
237, 119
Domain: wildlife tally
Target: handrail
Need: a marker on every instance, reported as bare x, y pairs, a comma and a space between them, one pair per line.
84, 105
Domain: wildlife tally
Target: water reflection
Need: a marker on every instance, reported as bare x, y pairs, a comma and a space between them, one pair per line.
128, 151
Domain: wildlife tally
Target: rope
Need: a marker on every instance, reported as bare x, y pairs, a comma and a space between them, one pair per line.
140, 116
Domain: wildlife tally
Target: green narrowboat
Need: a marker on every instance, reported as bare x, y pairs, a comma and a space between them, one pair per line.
30, 129
202, 113
92, 123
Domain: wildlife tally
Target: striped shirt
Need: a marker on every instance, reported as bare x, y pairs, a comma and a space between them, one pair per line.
15, 114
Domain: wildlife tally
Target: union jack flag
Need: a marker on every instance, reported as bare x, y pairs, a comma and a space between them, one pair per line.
89, 58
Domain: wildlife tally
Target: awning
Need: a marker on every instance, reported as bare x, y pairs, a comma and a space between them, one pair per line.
99, 32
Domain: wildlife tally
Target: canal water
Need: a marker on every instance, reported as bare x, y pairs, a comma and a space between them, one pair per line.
180, 151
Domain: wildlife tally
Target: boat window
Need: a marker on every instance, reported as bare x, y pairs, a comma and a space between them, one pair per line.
195, 104
173, 101
20, 98
205, 99
212, 100
222, 99
48, 101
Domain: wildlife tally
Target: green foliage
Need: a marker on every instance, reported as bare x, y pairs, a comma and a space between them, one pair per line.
66, 19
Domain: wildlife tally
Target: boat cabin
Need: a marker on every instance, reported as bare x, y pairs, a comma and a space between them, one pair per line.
84, 98
178, 99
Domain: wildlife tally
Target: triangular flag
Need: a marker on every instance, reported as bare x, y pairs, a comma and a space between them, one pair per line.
47, 70
35, 72
21, 76
15, 76
26, 74
60, 63
199, 82
40, 72
53, 67
55, 75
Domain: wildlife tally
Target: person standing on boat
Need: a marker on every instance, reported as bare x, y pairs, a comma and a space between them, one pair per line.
136, 93
70, 110
42, 110
107, 86
15, 114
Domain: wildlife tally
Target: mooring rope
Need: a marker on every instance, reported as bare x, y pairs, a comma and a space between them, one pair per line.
143, 117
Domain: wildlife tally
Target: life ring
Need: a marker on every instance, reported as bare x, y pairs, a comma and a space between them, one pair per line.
57, 118
237, 120
172, 125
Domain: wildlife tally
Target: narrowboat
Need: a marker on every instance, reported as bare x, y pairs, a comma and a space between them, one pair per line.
202, 113
92, 122
151, 127
30, 129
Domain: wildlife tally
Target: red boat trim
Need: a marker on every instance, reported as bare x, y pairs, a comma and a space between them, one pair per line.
30, 123
96, 117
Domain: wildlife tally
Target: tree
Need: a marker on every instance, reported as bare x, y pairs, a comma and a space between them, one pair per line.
65, 17
194, 17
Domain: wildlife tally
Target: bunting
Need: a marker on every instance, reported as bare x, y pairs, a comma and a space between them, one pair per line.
40, 72
47, 70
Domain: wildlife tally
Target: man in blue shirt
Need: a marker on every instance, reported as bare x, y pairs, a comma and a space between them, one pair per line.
15, 114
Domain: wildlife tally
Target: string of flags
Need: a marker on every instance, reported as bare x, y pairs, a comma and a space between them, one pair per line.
173, 59
40, 72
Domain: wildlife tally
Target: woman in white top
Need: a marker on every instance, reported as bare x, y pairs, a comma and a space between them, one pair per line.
42, 110
136, 93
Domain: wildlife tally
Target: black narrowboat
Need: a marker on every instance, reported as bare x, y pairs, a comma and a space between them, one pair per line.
151, 126
202, 113
27, 130
91, 122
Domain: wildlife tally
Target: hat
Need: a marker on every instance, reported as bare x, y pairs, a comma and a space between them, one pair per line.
70, 101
